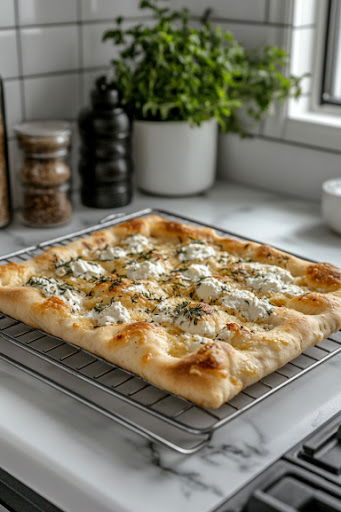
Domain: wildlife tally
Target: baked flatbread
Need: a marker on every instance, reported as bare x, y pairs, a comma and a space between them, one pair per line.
197, 314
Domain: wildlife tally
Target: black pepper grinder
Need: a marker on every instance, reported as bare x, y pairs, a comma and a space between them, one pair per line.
105, 164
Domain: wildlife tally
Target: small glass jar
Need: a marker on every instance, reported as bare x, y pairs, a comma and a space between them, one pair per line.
45, 174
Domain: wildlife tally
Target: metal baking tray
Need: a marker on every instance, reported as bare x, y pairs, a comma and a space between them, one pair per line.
122, 396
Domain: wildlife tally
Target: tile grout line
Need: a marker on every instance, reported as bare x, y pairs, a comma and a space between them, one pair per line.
68, 23
73, 155
267, 12
55, 73
20, 60
255, 23
146, 18
80, 25
81, 70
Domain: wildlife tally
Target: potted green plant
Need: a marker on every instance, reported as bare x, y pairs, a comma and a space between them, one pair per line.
179, 82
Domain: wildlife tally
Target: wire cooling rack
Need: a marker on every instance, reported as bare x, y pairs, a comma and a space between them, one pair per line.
122, 396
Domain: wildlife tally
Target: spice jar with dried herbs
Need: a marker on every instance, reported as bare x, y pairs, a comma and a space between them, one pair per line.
45, 174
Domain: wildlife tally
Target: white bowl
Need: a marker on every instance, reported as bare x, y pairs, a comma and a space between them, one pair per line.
331, 204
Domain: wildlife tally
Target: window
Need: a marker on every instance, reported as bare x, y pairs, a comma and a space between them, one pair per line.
331, 79
314, 45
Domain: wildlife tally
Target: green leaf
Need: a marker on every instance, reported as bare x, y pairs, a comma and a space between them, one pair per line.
169, 69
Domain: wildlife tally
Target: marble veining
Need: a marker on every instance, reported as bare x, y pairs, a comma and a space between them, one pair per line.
190, 480
244, 454
84, 462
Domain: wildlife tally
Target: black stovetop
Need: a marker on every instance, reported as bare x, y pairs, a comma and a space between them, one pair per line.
17, 497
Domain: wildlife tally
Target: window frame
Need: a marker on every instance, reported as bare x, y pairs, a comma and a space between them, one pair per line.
329, 55
307, 121
316, 106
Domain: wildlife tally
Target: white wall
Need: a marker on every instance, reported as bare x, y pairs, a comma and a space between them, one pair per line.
51, 51
275, 165
276, 158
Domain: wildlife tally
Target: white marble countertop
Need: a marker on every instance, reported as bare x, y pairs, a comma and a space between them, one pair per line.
84, 462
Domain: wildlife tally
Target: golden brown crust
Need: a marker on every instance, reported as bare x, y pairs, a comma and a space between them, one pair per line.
218, 370
324, 275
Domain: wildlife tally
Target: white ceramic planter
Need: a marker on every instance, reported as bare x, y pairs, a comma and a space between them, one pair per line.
173, 158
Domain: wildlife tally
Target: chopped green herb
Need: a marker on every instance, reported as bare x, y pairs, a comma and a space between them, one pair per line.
115, 283
192, 313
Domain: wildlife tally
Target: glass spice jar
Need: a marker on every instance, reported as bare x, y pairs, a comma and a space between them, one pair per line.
45, 174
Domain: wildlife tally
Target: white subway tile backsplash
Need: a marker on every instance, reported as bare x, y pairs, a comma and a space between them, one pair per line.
281, 11
13, 104
59, 69
276, 166
255, 36
272, 125
52, 97
109, 9
8, 54
292, 12
7, 18
230, 9
48, 49
36, 12
96, 52
88, 82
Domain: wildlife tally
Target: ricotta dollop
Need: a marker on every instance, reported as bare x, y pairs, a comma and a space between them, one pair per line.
209, 289
136, 288
195, 318
195, 251
52, 287
114, 313
144, 270
246, 303
270, 279
193, 342
163, 313
203, 327
111, 253
195, 272
80, 268
136, 244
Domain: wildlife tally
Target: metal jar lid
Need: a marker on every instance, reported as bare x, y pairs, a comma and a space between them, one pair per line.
59, 130
44, 139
